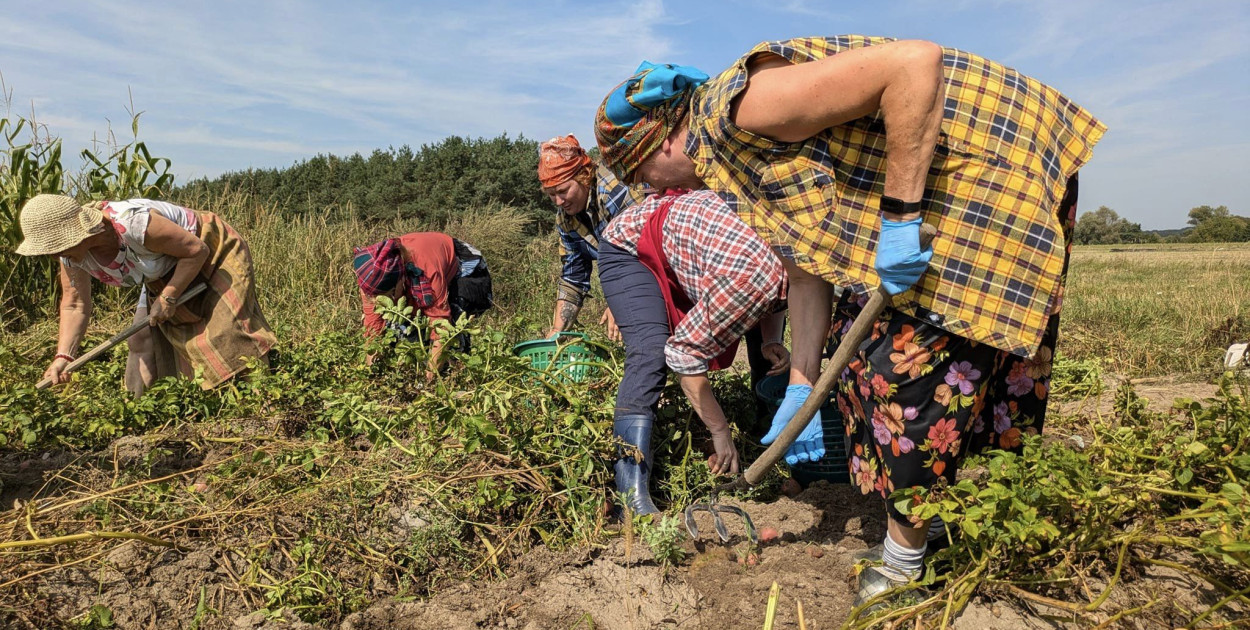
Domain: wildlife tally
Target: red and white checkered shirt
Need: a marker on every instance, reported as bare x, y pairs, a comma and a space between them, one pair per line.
728, 272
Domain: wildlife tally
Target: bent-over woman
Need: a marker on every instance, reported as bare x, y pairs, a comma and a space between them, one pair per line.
686, 279
835, 150
438, 275
165, 249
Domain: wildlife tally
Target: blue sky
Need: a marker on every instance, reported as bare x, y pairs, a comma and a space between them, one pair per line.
225, 85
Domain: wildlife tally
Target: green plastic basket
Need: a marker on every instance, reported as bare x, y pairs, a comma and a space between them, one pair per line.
833, 466
571, 359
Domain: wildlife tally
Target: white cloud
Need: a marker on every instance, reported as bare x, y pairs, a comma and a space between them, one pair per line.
312, 79
233, 83
204, 137
803, 8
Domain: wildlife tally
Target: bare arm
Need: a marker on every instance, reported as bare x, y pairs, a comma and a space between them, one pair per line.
166, 237
436, 357
76, 308
75, 314
772, 327
772, 345
698, 390
608, 321
793, 102
564, 317
811, 308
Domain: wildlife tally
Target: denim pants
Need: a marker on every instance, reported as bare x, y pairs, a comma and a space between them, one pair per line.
638, 306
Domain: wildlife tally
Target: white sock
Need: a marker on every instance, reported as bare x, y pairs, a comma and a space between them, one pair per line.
905, 560
937, 529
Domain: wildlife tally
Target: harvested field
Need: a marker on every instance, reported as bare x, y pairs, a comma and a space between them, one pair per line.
330, 494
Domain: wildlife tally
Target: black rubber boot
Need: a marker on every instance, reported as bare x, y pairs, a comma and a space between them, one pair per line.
633, 475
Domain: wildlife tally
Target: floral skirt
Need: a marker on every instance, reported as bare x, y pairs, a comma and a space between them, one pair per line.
917, 399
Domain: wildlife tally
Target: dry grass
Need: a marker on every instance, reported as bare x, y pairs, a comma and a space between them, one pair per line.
1152, 310
1143, 310
303, 263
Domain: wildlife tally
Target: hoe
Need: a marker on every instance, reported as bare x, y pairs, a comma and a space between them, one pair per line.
119, 337
860, 329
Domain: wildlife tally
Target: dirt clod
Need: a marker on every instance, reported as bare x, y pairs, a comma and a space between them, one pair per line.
791, 488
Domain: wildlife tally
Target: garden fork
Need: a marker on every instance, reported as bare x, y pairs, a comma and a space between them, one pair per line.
860, 329
716, 509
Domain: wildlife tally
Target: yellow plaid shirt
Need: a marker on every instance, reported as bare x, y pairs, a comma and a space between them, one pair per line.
1007, 147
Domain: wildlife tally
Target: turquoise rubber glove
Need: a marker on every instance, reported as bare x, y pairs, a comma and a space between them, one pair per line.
900, 263
810, 445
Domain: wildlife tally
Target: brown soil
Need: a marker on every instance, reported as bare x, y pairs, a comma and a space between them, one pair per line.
23, 474
616, 586
610, 588
811, 562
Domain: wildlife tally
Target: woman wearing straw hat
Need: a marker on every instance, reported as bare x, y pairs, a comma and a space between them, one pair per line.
165, 249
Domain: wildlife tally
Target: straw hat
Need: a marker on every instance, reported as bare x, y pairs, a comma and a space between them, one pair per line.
55, 223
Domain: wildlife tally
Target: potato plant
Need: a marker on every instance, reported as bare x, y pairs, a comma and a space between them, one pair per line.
483, 462
317, 481
1067, 517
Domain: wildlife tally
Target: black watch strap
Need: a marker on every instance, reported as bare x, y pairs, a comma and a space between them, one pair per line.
898, 206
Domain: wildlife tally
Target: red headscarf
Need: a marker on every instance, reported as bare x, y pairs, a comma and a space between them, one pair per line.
380, 266
559, 160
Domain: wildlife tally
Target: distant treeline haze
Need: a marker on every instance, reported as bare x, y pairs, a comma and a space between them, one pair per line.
431, 184
1206, 225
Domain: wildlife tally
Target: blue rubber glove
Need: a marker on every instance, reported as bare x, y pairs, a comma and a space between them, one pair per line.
810, 445
900, 263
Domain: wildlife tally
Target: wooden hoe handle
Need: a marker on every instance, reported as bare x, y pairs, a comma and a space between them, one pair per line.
119, 337
860, 329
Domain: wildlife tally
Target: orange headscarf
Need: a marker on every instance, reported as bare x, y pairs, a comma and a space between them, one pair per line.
559, 160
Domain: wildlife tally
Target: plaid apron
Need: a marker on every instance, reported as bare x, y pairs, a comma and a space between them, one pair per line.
218, 329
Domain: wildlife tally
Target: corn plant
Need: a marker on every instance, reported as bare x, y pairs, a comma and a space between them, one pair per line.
30, 166
129, 171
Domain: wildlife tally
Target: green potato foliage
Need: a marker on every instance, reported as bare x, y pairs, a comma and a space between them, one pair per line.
1146, 489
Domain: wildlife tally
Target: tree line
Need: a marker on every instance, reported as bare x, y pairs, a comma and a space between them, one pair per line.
1207, 224
432, 183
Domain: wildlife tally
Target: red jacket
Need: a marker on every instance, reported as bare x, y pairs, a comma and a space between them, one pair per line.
435, 255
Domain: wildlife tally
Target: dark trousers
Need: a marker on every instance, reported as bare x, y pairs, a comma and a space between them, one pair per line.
636, 302
759, 367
